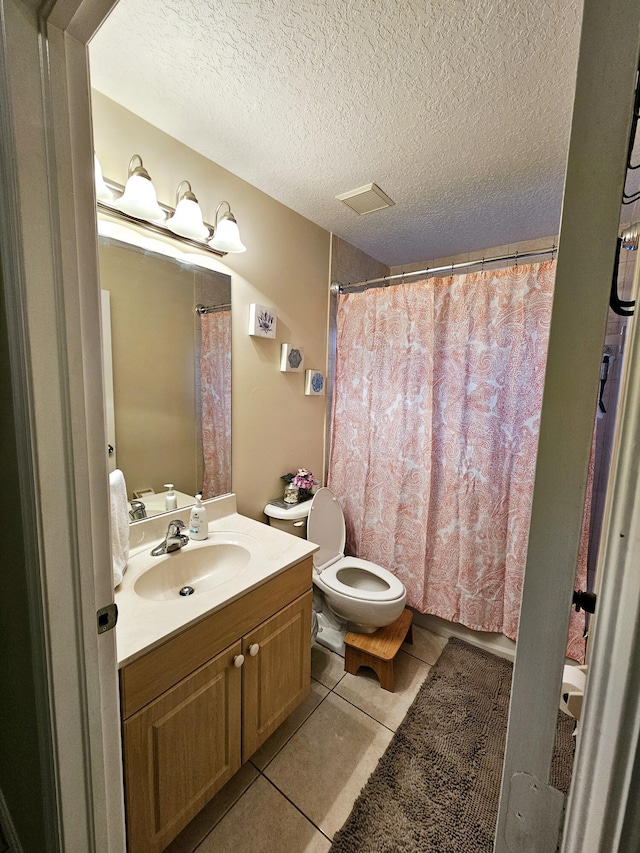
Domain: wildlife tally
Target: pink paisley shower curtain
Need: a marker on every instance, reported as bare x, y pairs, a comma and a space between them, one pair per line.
438, 390
215, 389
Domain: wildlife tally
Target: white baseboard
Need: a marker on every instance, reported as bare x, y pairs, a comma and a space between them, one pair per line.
497, 644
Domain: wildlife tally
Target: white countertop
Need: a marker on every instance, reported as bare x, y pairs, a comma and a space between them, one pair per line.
144, 623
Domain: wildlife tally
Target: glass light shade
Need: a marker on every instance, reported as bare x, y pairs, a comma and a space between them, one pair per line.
187, 220
103, 193
139, 199
226, 237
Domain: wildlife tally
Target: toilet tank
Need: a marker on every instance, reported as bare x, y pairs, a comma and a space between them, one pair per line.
292, 519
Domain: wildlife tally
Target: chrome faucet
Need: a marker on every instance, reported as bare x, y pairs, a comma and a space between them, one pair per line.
137, 511
174, 540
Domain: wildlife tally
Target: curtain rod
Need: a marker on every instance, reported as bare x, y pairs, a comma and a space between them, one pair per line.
211, 309
336, 287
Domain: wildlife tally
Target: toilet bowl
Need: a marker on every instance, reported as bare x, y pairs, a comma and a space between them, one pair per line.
362, 593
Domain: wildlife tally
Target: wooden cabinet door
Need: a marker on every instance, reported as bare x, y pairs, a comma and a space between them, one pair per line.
179, 750
276, 675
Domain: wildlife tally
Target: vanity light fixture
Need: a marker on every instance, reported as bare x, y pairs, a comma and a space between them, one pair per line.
139, 198
187, 218
103, 193
226, 234
136, 205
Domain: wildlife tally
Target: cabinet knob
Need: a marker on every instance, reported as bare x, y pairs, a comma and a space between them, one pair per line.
254, 648
238, 661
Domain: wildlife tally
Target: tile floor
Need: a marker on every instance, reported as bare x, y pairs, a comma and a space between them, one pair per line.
299, 787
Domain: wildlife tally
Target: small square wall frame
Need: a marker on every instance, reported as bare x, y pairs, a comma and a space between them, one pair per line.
314, 383
291, 358
262, 321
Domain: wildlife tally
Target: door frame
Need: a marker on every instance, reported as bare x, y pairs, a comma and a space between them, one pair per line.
594, 182
49, 252
53, 294
602, 812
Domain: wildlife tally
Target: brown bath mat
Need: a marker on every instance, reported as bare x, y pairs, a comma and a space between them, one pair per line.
436, 788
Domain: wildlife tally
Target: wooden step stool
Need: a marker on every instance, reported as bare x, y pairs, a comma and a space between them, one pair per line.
378, 650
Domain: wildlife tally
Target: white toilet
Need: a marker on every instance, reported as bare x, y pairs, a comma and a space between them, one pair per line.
363, 595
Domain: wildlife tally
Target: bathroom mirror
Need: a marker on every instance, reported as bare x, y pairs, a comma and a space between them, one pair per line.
171, 367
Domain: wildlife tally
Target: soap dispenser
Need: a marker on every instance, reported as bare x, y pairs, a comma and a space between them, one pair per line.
170, 499
198, 528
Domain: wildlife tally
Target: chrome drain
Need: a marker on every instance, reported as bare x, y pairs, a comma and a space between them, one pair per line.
187, 590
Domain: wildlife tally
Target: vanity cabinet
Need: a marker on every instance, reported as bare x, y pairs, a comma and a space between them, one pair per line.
180, 749
276, 675
200, 704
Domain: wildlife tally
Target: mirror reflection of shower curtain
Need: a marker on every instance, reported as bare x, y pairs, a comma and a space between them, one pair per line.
438, 390
215, 389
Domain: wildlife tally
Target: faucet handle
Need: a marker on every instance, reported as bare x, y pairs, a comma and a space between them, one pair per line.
173, 540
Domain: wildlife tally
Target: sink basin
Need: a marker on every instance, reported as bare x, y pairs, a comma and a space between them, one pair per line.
196, 568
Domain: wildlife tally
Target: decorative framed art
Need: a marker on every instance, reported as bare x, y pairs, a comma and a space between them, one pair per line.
262, 321
314, 383
291, 358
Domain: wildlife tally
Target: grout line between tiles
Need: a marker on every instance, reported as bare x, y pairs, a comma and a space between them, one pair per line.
415, 657
420, 659
297, 808
226, 812
261, 772
367, 714
317, 680
295, 731
384, 726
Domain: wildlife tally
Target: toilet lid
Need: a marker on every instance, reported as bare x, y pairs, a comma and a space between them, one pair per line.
326, 528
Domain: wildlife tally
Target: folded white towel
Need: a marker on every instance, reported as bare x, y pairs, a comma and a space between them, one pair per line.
119, 525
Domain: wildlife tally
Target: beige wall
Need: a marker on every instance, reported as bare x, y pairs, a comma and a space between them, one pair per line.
349, 264
275, 427
494, 251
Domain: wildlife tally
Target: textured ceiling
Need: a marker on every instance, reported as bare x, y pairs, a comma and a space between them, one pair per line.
458, 110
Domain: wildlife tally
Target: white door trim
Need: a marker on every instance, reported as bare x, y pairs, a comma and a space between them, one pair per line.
601, 798
51, 278
596, 166
56, 291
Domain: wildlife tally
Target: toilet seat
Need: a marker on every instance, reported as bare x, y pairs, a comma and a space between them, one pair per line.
358, 579
392, 590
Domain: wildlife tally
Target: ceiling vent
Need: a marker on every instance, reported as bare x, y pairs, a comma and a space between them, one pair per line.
366, 199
